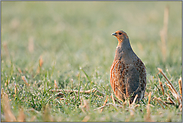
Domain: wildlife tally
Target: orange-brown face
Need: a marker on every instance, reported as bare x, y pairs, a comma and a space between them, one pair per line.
120, 35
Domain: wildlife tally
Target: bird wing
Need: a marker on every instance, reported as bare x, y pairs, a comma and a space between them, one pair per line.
140, 67
117, 79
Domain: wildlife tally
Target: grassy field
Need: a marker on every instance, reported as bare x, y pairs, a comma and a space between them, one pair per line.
68, 45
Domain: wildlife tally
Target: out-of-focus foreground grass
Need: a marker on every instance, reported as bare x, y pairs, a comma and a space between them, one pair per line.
73, 41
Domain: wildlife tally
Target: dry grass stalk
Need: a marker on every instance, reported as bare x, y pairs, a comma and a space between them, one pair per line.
84, 105
161, 71
99, 96
9, 117
166, 13
163, 33
120, 106
62, 99
159, 103
19, 70
180, 107
149, 99
163, 45
41, 61
116, 100
132, 111
7, 82
167, 102
132, 106
33, 110
59, 94
151, 105
104, 103
46, 114
134, 99
162, 89
15, 89
55, 84
6, 49
76, 91
146, 94
33, 118
2, 92
40, 64
86, 118
21, 116
175, 94
31, 44
136, 105
148, 115
162, 101
180, 86
170, 99
25, 80
113, 98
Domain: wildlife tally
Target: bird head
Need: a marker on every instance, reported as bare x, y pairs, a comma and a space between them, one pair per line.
120, 35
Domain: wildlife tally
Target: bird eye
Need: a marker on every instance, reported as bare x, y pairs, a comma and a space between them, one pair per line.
120, 33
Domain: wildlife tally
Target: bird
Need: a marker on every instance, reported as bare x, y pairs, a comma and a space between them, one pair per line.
128, 72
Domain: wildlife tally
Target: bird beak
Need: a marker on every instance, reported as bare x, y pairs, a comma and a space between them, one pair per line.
114, 34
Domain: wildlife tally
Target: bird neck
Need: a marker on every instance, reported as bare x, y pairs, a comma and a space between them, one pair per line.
123, 49
124, 45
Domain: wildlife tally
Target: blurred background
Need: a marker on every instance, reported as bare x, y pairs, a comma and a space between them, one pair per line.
70, 35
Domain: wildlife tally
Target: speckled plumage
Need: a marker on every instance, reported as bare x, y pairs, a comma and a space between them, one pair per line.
128, 73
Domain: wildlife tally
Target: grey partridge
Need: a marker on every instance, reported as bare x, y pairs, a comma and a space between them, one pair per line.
127, 73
